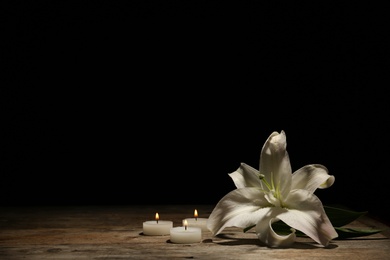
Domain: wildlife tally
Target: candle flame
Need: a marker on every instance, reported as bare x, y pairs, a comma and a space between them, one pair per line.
185, 224
157, 217
196, 214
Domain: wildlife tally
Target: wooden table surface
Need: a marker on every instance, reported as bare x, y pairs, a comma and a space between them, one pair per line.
115, 232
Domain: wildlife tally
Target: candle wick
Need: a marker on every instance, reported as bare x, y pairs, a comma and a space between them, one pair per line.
157, 221
185, 227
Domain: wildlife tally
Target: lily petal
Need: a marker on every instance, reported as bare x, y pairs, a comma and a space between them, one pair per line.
275, 162
239, 208
246, 176
267, 235
311, 177
306, 213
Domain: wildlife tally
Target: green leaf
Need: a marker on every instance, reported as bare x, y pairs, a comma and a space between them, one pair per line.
345, 233
248, 228
340, 217
282, 228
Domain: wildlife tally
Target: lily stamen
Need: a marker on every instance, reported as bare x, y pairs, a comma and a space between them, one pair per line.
262, 178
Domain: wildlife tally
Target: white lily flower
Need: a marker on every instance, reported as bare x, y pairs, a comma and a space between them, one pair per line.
275, 193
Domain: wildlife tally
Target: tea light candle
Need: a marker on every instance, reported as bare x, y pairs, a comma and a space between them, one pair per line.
157, 227
197, 222
185, 234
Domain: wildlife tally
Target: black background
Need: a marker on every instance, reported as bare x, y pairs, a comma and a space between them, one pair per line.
155, 102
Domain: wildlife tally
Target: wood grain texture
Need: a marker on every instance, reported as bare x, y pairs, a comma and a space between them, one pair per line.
115, 232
